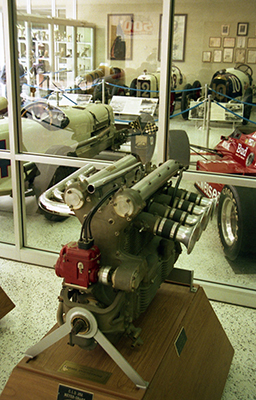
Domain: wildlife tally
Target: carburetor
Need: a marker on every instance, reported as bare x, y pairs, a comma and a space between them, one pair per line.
133, 223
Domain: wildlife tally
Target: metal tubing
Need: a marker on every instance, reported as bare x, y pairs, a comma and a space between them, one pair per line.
156, 179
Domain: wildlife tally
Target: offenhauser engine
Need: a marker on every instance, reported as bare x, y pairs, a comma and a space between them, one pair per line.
133, 223
132, 227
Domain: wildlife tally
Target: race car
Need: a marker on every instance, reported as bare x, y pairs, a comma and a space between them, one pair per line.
111, 79
227, 86
147, 85
78, 131
236, 218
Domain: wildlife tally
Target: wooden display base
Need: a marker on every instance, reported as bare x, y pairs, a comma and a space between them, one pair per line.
6, 305
185, 355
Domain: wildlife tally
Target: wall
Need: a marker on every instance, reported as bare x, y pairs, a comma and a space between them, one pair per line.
145, 46
204, 20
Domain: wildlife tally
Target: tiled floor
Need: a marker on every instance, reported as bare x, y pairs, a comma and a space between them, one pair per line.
34, 290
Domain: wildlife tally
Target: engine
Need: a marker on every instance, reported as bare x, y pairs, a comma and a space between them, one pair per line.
134, 223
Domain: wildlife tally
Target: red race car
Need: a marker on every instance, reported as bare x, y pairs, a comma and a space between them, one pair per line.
234, 154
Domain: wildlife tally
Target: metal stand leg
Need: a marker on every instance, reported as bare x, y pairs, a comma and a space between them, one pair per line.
92, 331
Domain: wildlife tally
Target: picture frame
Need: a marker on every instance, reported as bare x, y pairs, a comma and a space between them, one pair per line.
240, 42
214, 42
228, 54
251, 42
179, 37
217, 56
240, 55
251, 56
242, 28
206, 56
224, 30
229, 42
120, 36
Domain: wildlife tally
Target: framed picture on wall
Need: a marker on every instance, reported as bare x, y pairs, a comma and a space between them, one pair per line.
240, 56
229, 42
251, 42
251, 56
217, 56
225, 30
179, 37
207, 55
120, 36
228, 55
214, 42
240, 41
242, 28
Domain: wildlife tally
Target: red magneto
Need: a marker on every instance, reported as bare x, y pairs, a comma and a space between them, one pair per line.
78, 266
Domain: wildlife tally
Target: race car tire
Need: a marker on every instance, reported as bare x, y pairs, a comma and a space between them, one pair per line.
172, 103
236, 220
61, 173
197, 93
50, 175
179, 147
133, 86
119, 91
247, 108
185, 100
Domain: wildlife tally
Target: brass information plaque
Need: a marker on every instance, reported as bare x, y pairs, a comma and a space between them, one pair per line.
84, 372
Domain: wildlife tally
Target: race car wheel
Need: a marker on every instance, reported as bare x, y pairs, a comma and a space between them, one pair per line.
60, 173
185, 100
172, 103
236, 220
247, 108
197, 92
119, 91
133, 87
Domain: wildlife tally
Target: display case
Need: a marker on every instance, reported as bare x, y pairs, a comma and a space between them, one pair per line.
59, 48
64, 65
84, 42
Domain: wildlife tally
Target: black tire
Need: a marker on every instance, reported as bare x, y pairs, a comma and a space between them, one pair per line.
179, 147
60, 173
119, 91
237, 220
133, 86
172, 103
247, 108
197, 93
185, 101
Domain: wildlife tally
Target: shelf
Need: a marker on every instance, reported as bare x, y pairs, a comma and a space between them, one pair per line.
38, 36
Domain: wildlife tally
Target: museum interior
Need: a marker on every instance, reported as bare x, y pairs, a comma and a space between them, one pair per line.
127, 190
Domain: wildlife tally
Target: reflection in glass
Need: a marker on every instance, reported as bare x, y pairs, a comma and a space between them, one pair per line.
46, 231
208, 259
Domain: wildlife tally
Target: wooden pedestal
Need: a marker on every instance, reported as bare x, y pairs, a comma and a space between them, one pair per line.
6, 304
186, 355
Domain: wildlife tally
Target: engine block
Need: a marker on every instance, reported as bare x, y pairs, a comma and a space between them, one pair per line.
133, 225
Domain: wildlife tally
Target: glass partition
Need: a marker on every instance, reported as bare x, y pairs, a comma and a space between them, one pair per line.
100, 79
